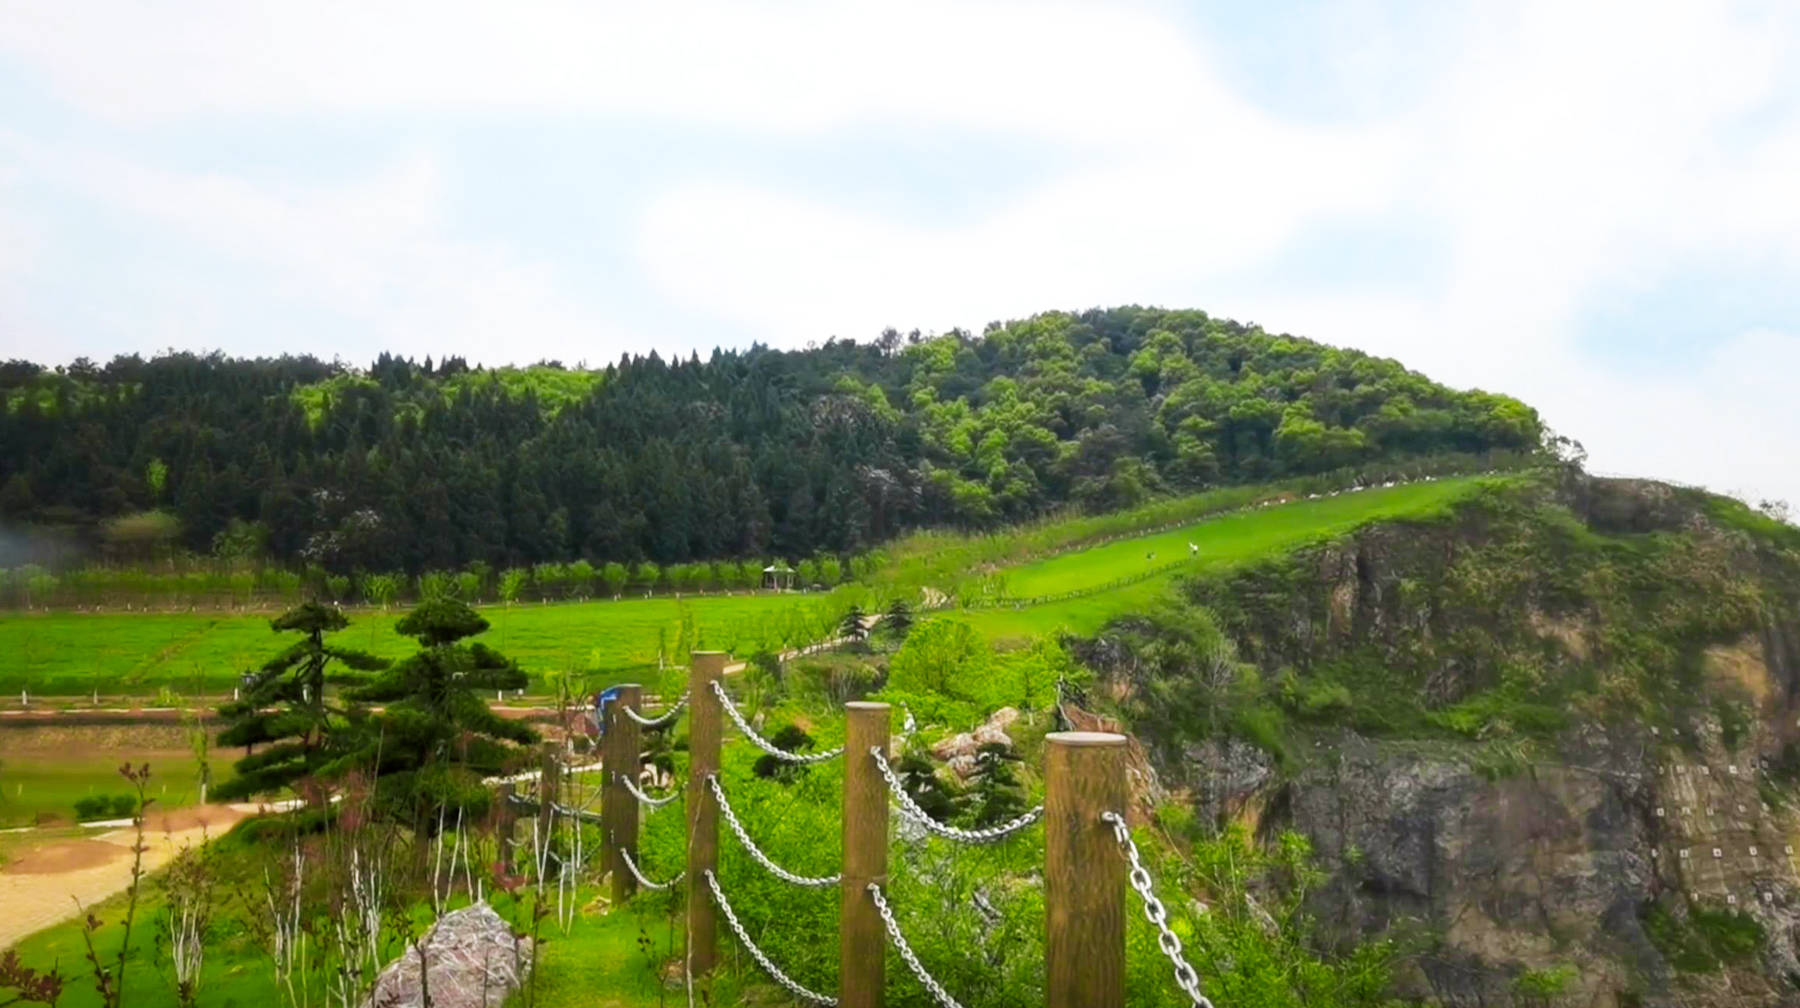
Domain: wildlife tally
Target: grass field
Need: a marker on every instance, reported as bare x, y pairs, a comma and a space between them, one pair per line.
598, 964
44, 768
137, 654
69, 654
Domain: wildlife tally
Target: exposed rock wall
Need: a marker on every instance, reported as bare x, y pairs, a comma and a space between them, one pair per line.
1665, 791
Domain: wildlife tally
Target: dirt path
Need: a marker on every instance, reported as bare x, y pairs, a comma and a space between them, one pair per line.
37, 883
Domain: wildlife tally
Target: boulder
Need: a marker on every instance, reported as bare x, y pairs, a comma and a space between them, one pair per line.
990, 735
961, 744
472, 958
991, 731
963, 764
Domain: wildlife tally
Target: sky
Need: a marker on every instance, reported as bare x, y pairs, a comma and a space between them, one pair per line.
1594, 207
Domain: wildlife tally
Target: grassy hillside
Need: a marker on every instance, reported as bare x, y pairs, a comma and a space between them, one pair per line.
1225, 542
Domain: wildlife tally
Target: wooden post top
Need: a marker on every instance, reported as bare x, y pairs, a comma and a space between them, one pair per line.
1084, 738
867, 705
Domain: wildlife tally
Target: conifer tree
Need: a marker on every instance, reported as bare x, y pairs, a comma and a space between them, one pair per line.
437, 736
284, 706
997, 796
852, 626
898, 620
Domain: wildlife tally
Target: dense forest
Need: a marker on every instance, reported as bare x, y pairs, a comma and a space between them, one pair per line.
749, 453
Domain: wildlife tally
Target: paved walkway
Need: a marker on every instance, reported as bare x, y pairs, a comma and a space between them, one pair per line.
37, 883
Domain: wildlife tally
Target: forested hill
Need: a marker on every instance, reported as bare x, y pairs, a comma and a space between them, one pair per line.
747, 454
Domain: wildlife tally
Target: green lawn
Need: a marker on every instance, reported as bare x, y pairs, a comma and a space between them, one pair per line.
234, 975
598, 964
137, 654
33, 783
1224, 542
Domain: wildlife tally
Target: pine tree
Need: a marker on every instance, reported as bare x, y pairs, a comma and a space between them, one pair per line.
285, 707
918, 776
898, 620
997, 796
853, 626
437, 736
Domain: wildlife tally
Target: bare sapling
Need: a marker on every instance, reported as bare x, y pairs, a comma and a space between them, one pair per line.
281, 901
188, 886
356, 875
109, 980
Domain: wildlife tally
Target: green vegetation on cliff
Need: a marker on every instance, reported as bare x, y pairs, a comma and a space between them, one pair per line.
1510, 613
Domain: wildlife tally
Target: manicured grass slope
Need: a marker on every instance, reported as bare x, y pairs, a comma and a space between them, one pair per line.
1224, 542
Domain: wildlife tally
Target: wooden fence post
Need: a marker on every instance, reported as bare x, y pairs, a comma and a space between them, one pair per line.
619, 751
1084, 874
549, 781
503, 827
702, 812
862, 945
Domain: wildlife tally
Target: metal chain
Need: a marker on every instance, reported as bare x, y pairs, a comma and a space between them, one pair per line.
646, 799
646, 883
774, 869
1186, 977
755, 953
912, 811
574, 813
912, 961
765, 745
661, 719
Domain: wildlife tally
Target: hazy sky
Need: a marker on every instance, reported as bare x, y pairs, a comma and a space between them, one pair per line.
1594, 207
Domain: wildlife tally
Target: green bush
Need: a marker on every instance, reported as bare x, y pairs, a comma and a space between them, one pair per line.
1545, 983
105, 807
1706, 940
91, 807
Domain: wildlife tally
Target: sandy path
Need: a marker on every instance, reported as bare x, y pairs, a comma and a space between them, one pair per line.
36, 885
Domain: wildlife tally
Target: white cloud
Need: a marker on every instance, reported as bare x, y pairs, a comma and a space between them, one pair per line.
1570, 148
1051, 69
377, 253
1559, 148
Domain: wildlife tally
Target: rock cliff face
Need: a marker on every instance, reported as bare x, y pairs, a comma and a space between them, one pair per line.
1548, 740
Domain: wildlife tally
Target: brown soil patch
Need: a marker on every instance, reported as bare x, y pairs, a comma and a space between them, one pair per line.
1742, 664
63, 856
217, 818
1570, 633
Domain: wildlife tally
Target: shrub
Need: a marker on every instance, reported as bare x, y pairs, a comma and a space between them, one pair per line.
792, 738
105, 807
91, 807
1707, 940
